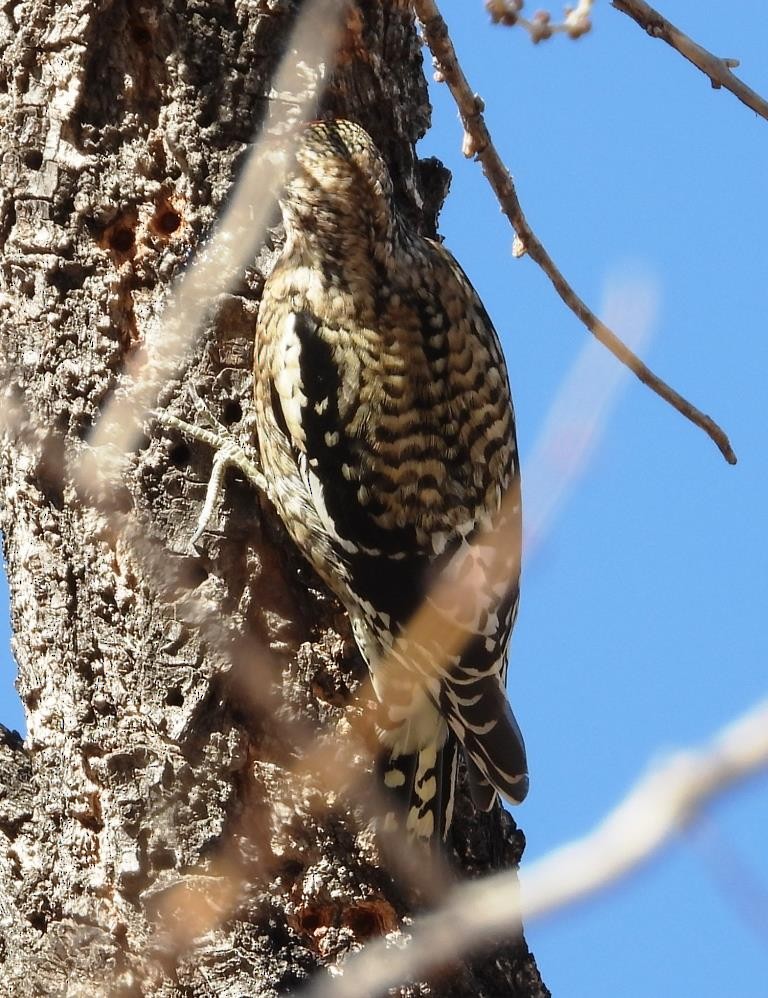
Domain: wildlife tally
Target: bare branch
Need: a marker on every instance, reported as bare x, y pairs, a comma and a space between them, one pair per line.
718, 70
478, 143
481, 912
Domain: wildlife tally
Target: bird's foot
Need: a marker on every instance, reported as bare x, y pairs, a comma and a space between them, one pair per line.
228, 453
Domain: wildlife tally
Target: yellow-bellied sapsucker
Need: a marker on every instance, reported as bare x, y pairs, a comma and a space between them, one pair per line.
387, 437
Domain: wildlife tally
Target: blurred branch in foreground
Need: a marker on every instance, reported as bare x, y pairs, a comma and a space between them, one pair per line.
577, 417
717, 69
478, 143
482, 913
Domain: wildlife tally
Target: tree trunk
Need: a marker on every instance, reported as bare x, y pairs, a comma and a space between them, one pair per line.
163, 828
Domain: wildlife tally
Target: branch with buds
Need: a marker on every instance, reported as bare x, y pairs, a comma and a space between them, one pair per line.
576, 20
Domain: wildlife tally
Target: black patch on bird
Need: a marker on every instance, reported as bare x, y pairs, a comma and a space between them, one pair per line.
322, 385
277, 410
394, 586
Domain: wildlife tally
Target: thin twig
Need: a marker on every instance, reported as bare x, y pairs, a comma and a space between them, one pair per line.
478, 143
481, 912
718, 70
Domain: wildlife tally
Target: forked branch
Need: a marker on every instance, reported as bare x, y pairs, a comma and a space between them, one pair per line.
478, 143
718, 70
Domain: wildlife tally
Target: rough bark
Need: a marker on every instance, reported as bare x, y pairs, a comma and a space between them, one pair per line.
161, 832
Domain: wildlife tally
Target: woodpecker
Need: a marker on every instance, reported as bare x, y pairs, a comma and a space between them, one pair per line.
387, 436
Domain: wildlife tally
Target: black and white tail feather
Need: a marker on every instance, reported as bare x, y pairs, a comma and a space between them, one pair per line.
421, 787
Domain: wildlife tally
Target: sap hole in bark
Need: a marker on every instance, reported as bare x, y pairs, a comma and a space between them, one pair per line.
166, 220
168, 778
374, 918
311, 919
119, 236
33, 159
121, 240
231, 412
363, 923
123, 500
63, 210
179, 455
174, 697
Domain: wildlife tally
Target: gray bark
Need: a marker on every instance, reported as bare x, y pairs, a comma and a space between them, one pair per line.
161, 831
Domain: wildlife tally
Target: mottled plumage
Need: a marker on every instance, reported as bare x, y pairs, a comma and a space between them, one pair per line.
387, 438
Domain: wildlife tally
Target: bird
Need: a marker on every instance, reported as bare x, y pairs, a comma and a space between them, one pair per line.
386, 433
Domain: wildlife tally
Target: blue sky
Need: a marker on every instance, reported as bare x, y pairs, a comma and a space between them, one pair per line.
642, 626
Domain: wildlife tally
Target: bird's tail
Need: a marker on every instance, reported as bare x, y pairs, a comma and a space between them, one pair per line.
493, 745
420, 790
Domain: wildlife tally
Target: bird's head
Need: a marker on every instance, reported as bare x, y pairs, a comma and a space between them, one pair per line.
338, 182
